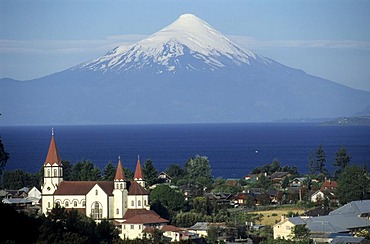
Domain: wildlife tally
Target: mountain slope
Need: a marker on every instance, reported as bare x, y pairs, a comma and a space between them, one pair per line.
186, 72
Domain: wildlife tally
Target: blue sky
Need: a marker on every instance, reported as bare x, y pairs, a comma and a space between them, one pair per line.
330, 39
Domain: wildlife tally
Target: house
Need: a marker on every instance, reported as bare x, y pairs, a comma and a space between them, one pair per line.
283, 229
329, 185
125, 203
277, 177
298, 182
164, 178
344, 221
317, 196
34, 195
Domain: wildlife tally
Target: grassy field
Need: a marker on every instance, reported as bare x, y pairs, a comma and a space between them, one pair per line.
270, 217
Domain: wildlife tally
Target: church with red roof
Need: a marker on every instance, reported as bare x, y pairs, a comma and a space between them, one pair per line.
124, 202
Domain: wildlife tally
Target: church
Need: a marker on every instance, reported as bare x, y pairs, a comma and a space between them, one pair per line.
125, 203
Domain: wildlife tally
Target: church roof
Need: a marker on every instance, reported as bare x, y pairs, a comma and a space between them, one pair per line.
83, 187
142, 216
120, 173
138, 171
136, 189
53, 154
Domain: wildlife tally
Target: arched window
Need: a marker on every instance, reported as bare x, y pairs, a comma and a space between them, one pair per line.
144, 202
57, 203
75, 204
139, 203
48, 173
55, 172
67, 204
117, 211
83, 204
132, 203
121, 186
96, 212
96, 192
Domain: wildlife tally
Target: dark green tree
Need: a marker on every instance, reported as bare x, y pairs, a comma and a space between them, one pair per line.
311, 165
150, 173
85, 171
263, 182
17, 179
176, 172
353, 184
342, 159
321, 161
169, 197
129, 174
109, 172
300, 234
4, 156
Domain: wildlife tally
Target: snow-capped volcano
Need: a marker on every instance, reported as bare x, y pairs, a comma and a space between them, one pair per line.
187, 72
188, 43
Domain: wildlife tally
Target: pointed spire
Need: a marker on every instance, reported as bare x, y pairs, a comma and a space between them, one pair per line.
120, 173
53, 154
138, 172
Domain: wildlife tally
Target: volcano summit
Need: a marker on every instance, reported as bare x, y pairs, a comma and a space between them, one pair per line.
188, 72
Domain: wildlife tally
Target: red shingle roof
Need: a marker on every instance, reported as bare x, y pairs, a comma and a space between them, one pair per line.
53, 155
136, 189
142, 216
83, 187
138, 172
120, 174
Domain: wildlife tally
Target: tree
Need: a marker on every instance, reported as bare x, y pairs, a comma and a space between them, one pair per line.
198, 174
353, 184
311, 165
321, 160
17, 179
4, 156
170, 198
150, 172
342, 159
176, 172
109, 172
85, 171
300, 233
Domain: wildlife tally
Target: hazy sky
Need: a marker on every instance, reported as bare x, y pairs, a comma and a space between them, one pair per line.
330, 39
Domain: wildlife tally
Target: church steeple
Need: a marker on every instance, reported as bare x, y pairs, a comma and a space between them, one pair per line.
53, 154
139, 176
53, 175
120, 173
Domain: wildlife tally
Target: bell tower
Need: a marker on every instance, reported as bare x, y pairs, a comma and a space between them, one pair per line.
53, 175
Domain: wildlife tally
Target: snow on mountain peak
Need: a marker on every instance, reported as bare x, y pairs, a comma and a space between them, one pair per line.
187, 35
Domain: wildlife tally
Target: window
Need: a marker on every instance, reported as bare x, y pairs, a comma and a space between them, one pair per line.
96, 192
117, 211
48, 173
57, 204
132, 227
121, 186
83, 204
55, 172
75, 204
145, 203
139, 203
67, 204
48, 204
96, 212
132, 203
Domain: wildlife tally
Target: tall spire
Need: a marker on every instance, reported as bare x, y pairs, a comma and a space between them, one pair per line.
53, 155
120, 173
138, 172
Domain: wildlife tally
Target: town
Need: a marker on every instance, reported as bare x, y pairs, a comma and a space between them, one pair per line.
67, 203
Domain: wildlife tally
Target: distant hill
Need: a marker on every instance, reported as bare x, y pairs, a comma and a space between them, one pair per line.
188, 72
358, 120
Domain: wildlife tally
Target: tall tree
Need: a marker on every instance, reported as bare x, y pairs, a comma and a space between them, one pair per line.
150, 172
342, 159
4, 156
353, 184
198, 174
109, 172
85, 171
311, 165
321, 161
176, 172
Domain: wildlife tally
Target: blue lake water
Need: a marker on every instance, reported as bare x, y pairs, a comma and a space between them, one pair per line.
233, 149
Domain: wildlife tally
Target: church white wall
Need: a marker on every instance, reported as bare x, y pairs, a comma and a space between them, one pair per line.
70, 201
97, 203
138, 202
